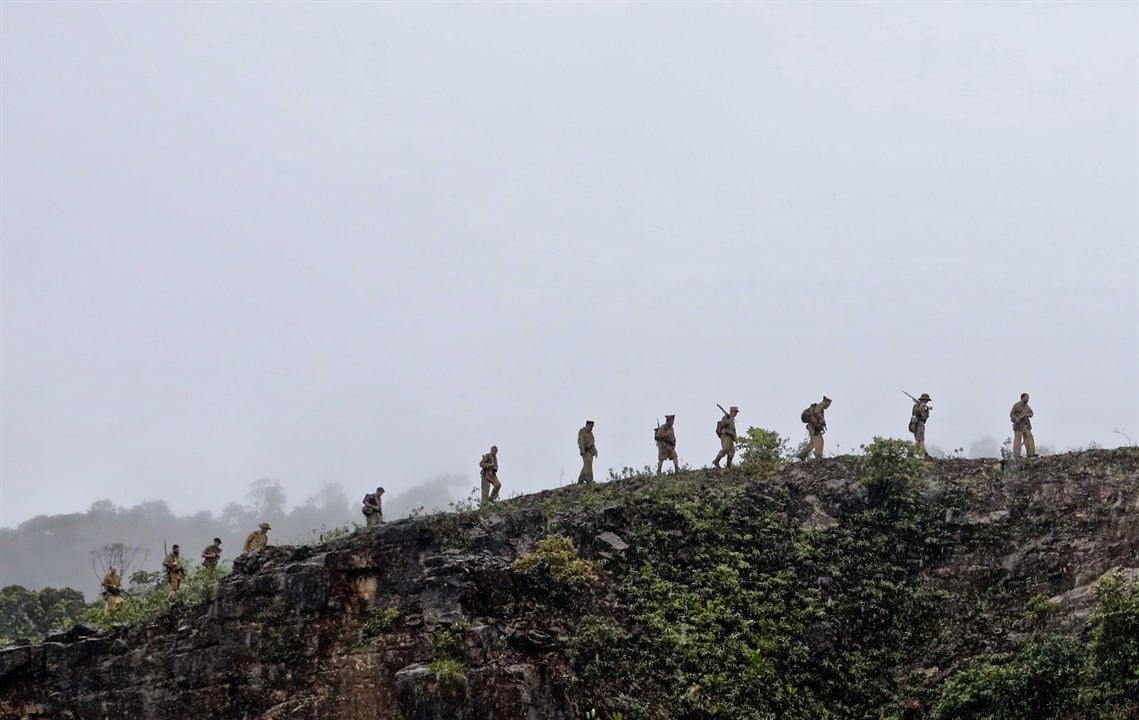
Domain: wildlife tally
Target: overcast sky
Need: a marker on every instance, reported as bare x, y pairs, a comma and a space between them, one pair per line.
362, 242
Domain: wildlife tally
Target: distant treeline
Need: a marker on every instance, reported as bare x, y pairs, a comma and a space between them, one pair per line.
71, 550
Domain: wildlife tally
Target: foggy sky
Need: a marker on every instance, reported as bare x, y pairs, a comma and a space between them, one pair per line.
360, 243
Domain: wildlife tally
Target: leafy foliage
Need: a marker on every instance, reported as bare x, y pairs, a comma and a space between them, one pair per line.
1111, 674
31, 614
737, 611
1037, 682
763, 447
446, 670
556, 557
148, 596
1053, 677
379, 621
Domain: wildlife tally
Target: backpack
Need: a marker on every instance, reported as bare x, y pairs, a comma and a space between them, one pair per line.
913, 427
719, 428
805, 416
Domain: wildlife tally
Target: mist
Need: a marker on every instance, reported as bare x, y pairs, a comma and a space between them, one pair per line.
75, 549
356, 244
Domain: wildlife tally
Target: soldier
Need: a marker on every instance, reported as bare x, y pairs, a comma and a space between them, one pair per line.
488, 470
917, 422
256, 539
665, 437
373, 508
816, 423
112, 590
211, 555
1022, 427
587, 446
175, 570
726, 429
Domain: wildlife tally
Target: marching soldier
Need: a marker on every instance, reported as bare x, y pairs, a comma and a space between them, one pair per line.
373, 508
175, 570
211, 555
112, 590
917, 422
815, 419
587, 446
257, 539
666, 444
488, 470
1022, 427
726, 429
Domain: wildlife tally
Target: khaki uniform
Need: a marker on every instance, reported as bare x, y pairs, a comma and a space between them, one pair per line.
816, 427
666, 446
255, 541
1022, 429
211, 555
727, 440
488, 470
587, 446
373, 510
920, 415
175, 571
112, 591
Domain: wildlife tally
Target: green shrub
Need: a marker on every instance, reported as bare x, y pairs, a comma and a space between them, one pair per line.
1040, 606
447, 670
378, 622
557, 558
450, 642
892, 472
1111, 675
1038, 682
763, 447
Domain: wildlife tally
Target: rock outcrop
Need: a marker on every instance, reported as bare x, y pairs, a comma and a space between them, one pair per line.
428, 618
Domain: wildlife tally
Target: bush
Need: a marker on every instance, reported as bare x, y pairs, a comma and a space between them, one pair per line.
556, 557
1054, 677
446, 670
763, 447
1035, 683
892, 471
1111, 675
379, 621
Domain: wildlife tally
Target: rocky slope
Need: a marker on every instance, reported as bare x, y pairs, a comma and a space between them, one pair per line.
801, 591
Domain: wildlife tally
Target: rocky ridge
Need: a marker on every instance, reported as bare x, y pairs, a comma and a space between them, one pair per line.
428, 617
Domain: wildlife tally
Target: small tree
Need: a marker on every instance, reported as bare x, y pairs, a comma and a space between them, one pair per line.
127, 558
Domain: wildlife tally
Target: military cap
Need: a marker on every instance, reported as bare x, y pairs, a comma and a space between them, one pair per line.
265, 526
217, 541
173, 547
825, 398
588, 422
925, 396
669, 417
733, 408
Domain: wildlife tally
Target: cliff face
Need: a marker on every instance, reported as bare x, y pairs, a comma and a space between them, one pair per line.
801, 591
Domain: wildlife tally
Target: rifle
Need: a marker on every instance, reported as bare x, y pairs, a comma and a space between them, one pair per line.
722, 408
911, 397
